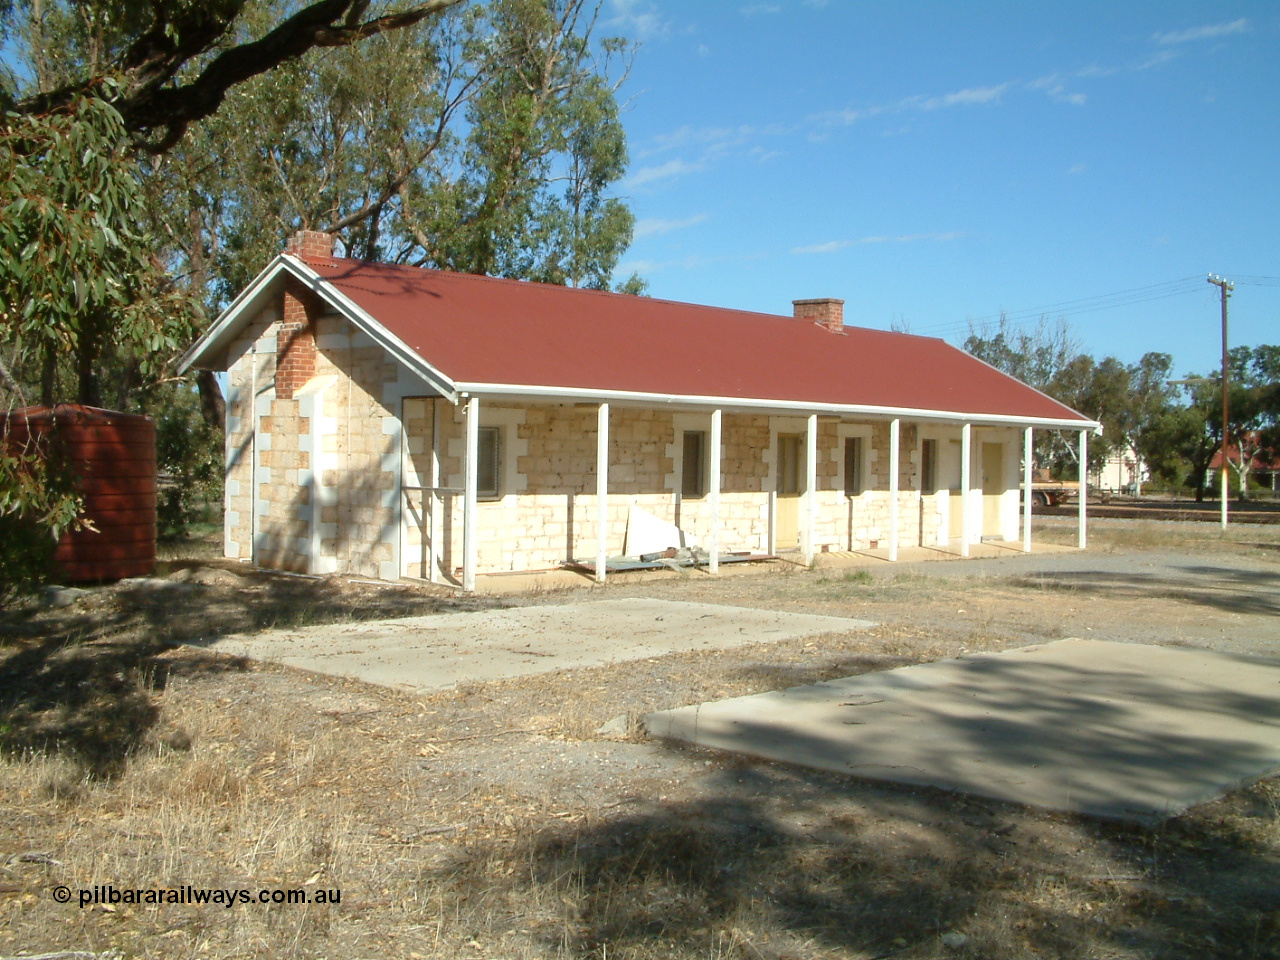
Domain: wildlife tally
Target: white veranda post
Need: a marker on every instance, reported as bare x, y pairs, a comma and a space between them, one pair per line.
1081, 522
1026, 490
713, 493
810, 486
602, 491
895, 433
470, 473
966, 452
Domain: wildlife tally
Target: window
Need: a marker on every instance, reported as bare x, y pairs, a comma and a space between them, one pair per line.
693, 474
487, 464
790, 464
852, 466
929, 466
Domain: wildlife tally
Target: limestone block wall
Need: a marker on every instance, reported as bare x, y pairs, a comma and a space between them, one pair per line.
546, 511
861, 522
325, 453
251, 367
359, 452
744, 483
273, 513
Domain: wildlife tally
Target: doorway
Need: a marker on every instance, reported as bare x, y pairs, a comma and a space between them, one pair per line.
992, 487
790, 486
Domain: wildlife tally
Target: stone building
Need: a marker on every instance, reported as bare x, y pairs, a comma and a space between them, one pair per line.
389, 421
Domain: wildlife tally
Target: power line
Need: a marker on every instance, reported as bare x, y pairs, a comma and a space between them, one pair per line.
1106, 301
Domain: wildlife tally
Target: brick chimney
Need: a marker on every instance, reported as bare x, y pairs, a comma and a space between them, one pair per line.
826, 312
310, 243
296, 338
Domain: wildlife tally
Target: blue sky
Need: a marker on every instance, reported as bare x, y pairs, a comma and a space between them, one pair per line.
936, 163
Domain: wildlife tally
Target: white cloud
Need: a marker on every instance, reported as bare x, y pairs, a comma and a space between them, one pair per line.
637, 18
713, 140
831, 246
1093, 70
1056, 88
665, 171
966, 98
849, 116
1156, 59
653, 226
1211, 32
693, 262
970, 96
1077, 169
757, 9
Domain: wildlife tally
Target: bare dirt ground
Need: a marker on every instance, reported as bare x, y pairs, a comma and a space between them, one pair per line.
493, 821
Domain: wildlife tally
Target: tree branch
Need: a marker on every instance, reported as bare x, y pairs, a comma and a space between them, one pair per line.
150, 104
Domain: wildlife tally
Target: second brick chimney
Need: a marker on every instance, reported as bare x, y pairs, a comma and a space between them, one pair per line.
826, 312
310, 243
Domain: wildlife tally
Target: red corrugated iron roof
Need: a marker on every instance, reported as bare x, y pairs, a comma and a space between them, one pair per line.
482, 330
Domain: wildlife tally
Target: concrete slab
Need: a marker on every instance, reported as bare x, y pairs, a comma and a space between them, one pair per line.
438, 651
1117, 730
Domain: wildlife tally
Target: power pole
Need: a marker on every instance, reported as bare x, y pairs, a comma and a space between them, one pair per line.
1225, 286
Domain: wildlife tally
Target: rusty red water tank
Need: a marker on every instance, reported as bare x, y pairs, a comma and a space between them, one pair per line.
114, 456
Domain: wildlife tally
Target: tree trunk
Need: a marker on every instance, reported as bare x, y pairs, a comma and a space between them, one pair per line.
88, 352
212, 404
48, 375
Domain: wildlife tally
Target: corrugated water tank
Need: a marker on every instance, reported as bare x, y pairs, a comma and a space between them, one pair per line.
114, 456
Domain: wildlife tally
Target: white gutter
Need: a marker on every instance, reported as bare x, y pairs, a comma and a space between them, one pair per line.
581, 394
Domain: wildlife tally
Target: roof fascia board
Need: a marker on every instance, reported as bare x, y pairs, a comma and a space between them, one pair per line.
365, 321
229, 321
577, 394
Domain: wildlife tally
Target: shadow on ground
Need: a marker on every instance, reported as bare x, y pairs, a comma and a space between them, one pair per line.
1116, 730
774, 863
80, 681
1230, 589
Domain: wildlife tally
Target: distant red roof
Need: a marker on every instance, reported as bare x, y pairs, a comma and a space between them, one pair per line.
1233, 454
482, 330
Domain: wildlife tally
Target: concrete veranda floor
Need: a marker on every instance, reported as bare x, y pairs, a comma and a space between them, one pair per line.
505, 584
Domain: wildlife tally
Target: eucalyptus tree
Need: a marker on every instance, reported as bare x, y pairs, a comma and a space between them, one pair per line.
486, 140
173, 61
482, 137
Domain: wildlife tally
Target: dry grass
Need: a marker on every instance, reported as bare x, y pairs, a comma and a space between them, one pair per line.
492, 821
1154, 534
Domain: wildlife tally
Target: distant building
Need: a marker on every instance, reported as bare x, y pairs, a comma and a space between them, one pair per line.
1263, 472
1122, 472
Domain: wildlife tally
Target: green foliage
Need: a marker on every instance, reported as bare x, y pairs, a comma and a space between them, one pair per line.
189, 457
1253, 410
1139, 407
79, 293
39, 500
485, 141
78, 282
